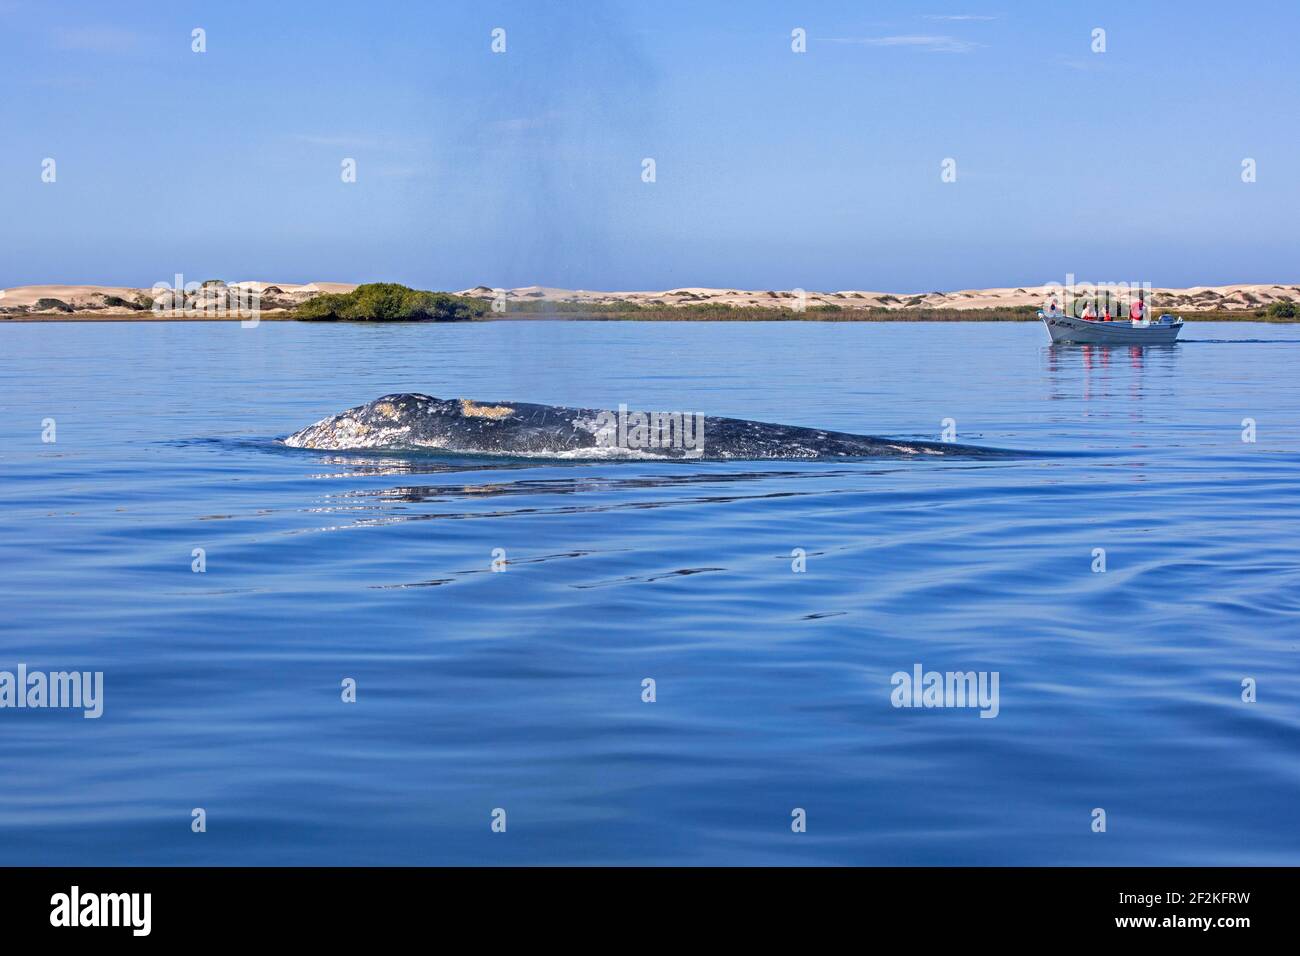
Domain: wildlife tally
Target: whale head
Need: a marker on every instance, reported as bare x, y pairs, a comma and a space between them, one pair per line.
403, 419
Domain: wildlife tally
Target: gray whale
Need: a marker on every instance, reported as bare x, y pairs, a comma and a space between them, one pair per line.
421, 422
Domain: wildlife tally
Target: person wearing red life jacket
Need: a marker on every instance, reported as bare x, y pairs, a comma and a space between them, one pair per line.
1137, 310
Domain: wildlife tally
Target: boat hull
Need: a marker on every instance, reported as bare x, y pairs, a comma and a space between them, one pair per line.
1067, 330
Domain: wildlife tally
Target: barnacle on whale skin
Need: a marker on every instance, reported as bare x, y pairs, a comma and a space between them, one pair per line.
472, 410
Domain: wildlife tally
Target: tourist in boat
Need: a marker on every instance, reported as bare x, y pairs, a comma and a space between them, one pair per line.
1089, 313
1138, 310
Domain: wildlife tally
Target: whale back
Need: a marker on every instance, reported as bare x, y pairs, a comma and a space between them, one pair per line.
423, 422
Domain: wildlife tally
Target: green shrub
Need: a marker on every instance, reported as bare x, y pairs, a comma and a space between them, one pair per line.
389, 302
116, 301
1285, 309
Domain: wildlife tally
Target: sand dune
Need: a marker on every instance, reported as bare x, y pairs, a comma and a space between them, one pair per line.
124, 300
1198, 298
56, 300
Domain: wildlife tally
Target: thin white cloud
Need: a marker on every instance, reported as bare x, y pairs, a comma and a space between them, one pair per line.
524, 123
97, 39
344, 142
929, 44
400, 172
1082, 64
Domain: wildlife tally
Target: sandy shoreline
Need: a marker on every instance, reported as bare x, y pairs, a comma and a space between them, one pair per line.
278, 315
1225, 298
776, 316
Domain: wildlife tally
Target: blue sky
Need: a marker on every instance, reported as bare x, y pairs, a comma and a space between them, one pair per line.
774, 169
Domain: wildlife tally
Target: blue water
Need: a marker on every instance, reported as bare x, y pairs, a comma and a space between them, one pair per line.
521, 690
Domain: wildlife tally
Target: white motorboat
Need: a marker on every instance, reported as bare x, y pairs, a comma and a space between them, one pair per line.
1067, 329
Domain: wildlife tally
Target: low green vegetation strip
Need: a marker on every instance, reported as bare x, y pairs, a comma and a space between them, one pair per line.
716, 312
704, 312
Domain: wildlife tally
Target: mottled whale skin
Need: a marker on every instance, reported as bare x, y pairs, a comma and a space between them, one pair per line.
518, 429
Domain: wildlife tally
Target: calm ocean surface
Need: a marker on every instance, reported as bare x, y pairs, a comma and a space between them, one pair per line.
522, 690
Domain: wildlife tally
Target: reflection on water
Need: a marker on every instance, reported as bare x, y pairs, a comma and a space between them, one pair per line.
1084, 372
